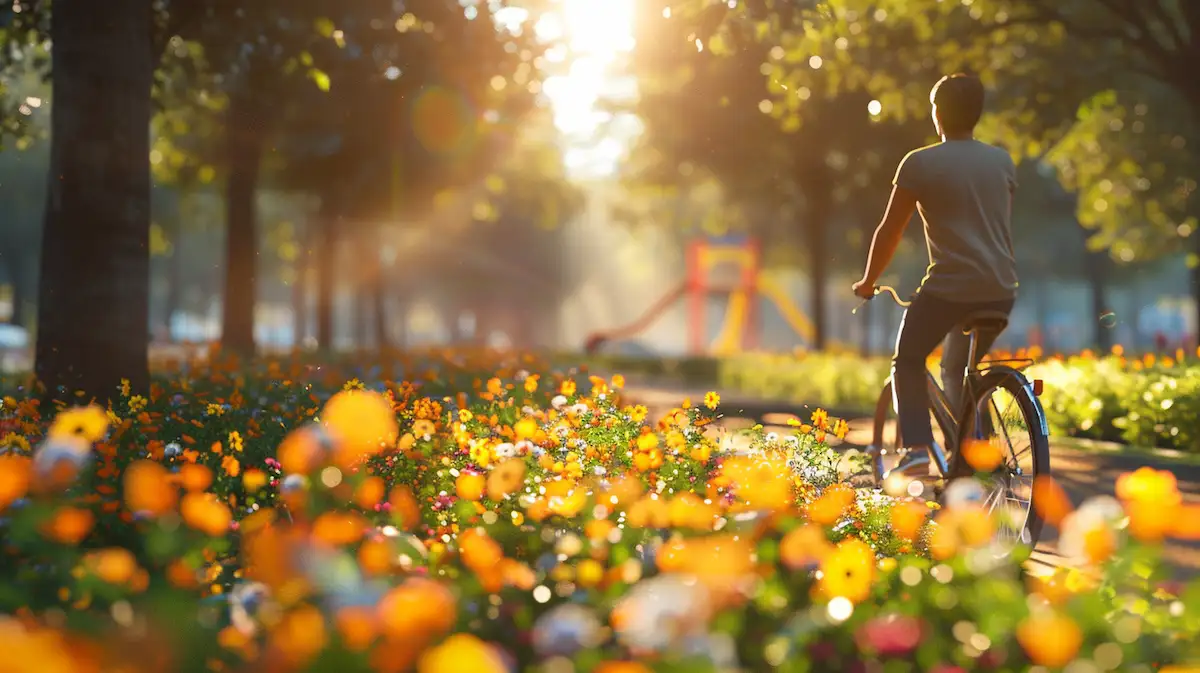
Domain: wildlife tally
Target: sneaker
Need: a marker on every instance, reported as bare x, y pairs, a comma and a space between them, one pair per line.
914, 464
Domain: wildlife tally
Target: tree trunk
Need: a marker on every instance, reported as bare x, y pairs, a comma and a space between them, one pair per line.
300, 302
245, 136
94, 300
326, 262
1096, 268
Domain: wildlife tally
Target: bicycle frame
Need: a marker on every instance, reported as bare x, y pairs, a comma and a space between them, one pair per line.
946, 417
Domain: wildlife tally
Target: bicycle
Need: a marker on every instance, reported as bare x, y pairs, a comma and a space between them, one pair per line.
973, 421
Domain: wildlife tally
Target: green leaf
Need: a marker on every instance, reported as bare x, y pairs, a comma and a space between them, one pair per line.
324, 27
319, 78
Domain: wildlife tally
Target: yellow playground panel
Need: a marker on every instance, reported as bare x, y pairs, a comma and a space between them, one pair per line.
733, 269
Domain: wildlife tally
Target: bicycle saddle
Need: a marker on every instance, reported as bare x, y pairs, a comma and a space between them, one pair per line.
985, 321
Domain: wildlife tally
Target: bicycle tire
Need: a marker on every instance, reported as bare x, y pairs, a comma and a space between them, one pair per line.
1015, 384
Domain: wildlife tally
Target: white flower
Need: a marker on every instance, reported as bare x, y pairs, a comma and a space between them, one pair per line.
558, 402
662, 612
173, 449
505, 450
71, 450
1096, 513
525, 447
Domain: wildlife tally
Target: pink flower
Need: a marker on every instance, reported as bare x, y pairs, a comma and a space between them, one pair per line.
890, 636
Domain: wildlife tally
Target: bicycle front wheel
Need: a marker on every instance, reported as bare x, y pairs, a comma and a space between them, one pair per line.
1007, 416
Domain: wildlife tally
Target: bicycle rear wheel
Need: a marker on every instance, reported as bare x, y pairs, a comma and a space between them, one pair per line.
1007, 415
887, 444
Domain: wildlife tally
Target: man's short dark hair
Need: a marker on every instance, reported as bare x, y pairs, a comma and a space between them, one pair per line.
959, 100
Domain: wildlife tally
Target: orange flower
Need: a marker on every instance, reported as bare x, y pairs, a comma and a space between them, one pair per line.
1152, 500
148, 488
113, 565
195, 478
1050, 500
832, 505
338, 528
1051, 640
299, 636
15, 475
406, 512
370, 492
205, 513
303, 450
982, 455
908, 517
231, 466
69, 525
507, 478
361, 423
621, 667
470, 486
804, 546
417, 610
357, 626
254, 479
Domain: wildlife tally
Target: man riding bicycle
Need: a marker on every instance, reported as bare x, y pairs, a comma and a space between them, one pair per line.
963, 189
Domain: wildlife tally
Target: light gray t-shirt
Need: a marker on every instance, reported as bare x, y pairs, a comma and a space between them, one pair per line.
964, 194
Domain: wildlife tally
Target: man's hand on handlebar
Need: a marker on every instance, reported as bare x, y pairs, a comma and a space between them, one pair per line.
864, 289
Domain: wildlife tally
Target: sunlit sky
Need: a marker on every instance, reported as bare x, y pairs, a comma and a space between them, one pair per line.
598, 34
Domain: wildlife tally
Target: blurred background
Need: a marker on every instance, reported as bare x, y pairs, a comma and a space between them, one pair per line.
626, 175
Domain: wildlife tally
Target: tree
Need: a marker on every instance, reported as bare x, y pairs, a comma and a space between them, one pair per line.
1122, 135
399, 129
94, 285
791, 148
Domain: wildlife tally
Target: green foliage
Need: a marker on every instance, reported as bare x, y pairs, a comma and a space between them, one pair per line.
1136, 113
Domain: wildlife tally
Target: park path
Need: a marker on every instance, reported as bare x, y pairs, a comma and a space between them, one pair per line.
1082, 473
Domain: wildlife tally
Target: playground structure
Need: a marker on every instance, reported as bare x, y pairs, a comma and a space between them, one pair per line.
729, 267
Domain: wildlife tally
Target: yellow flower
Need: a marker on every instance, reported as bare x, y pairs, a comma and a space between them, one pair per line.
215, 409
354, 384
465, 415
638, 413
137, 403
461, 652
235, 442
568, 388
848, 571
14, 441
711, 399
618, 381
90, 422
531, 383
124, 387
1051, 640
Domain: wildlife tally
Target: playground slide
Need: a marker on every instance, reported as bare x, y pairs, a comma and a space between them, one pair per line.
787, 308
598, 339
730, 338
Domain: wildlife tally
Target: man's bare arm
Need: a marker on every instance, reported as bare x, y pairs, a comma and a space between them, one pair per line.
889, 233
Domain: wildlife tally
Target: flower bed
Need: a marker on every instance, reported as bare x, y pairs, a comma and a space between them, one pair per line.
1145, 401
251, 518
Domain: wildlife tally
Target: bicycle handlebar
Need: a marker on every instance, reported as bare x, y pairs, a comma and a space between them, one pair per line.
885, 289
